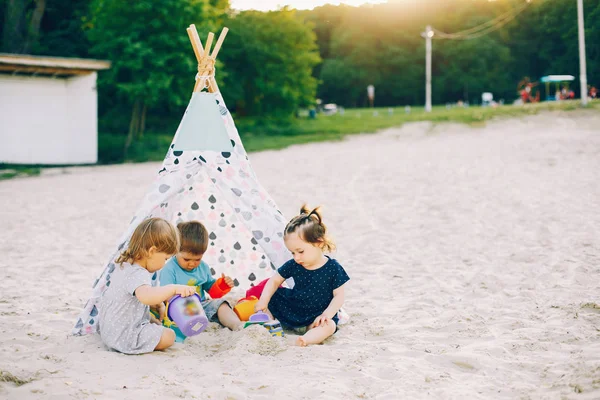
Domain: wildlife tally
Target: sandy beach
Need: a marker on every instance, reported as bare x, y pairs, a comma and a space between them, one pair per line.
473, 254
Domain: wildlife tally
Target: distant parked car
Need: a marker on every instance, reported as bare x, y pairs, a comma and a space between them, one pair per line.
330, 109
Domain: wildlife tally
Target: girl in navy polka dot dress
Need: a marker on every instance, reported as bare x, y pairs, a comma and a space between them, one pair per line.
317, 293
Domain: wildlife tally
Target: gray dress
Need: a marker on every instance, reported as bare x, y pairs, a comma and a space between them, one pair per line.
124, 321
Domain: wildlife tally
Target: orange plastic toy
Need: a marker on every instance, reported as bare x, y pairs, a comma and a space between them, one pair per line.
219, 289
245, 307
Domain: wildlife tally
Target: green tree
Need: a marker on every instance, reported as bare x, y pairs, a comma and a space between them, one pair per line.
548, 43
62, 29
269, 58
152, 60
465, 69
362, 53
381, 44
592, 30
325, 20
53, 28
21, 25
336, 77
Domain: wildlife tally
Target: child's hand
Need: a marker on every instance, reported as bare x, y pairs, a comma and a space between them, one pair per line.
260, 306
184, 290
227, 280
154, 320
321, 319
160, 309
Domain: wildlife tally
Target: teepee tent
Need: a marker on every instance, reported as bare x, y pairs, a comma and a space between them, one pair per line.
206, 176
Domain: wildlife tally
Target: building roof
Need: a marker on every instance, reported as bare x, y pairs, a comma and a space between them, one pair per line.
557, 78
54, 66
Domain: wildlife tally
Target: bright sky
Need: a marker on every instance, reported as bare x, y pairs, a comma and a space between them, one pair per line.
265, 5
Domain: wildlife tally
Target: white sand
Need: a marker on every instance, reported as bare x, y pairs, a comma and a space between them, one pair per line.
473, 252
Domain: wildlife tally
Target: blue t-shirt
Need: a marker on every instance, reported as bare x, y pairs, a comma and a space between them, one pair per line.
200, 277
311, 294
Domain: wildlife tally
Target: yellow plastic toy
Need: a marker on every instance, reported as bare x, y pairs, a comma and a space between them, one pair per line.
245, 307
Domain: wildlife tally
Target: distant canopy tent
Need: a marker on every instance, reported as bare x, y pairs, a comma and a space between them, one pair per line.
206, 176
557, 80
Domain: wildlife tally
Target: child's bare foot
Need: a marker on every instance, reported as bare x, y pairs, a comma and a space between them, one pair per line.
301, 342
316, 335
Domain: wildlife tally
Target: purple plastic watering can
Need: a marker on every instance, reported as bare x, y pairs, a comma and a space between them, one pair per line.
188, 314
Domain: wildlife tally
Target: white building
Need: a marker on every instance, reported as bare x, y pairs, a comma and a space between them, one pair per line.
48, 110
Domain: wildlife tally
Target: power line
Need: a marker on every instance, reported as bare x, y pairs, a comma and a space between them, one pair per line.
478, 27
482, 29
471, 33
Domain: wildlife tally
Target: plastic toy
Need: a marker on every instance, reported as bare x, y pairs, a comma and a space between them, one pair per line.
167, 323
257, 289
259, 317
274, 328
188, 314
179, 336
219, 289
245, 307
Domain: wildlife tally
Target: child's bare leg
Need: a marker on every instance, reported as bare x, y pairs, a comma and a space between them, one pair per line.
228, 318
166, 340
317, 334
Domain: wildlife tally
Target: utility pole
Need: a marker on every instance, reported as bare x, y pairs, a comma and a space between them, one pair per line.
582, 66
428, 34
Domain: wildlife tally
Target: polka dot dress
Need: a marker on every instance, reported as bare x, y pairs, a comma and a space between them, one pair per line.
311, 294
125, 321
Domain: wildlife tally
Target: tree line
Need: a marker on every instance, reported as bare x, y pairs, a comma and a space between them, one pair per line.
275, 63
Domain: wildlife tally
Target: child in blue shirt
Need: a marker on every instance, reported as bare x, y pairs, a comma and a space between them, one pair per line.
187, 268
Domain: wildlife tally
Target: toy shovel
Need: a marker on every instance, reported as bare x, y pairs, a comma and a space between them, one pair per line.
257, 318
260, 317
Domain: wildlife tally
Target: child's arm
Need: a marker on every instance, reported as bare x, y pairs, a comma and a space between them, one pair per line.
150, 296
268, 291
334, 306
167, 278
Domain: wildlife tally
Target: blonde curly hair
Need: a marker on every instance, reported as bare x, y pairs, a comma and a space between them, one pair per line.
151, 232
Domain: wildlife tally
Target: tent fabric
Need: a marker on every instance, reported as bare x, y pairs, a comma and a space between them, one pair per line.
202, 115
218, 188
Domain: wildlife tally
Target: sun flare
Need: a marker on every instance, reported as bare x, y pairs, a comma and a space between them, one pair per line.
265, 5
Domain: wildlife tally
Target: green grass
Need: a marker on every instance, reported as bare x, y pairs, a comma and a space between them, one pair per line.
257, 136
267, 134
9, 171
150, 147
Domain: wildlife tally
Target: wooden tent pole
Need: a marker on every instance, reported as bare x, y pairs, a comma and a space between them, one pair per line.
208, 64
197, 39
213, 88
205, 59
213, 81
198, 51
209, 41
196, 43
219, 43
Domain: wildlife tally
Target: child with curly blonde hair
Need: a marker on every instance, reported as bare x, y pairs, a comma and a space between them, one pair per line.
124, 319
